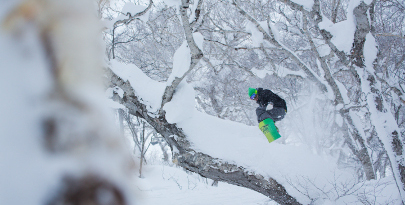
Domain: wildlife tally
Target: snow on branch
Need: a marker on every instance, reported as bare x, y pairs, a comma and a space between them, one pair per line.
195, 51
132, 12
270, 37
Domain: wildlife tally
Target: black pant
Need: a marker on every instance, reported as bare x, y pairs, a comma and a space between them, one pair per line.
276, 114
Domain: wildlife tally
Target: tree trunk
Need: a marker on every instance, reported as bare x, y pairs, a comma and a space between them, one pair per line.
362, 29
196, 53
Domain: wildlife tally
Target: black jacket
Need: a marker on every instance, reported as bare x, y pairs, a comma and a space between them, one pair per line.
266, 96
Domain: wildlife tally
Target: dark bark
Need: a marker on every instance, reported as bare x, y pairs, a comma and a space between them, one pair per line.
362, 29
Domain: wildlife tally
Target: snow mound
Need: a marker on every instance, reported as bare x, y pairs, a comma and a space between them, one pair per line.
181, 107
148, 90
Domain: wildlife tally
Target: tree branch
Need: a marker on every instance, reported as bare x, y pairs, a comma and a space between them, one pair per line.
200, 163
131, 18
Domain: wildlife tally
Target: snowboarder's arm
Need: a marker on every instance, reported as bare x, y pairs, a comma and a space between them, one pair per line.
265, 97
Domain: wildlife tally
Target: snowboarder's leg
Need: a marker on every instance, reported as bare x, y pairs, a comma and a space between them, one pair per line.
262, 114
276, 114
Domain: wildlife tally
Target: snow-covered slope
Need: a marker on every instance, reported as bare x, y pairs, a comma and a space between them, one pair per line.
171, 185
248, 147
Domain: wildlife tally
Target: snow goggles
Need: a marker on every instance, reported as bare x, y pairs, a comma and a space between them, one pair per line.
253, 96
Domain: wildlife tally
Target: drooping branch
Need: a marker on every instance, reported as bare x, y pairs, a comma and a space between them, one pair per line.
200, 163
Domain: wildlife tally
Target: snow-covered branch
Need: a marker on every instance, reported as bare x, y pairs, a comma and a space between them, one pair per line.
269, 36
198, 162
132, 16
132, 13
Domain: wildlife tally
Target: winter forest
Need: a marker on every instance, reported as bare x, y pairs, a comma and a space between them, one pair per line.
117, 102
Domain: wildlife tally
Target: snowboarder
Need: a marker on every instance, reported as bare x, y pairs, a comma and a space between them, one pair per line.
263, 97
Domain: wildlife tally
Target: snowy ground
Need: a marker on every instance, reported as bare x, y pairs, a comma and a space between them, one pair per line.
306, 176
171, 185
165, 183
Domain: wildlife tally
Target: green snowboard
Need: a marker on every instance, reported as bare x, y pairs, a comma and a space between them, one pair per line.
269, 129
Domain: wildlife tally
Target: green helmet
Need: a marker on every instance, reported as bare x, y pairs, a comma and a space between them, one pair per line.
252, 91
